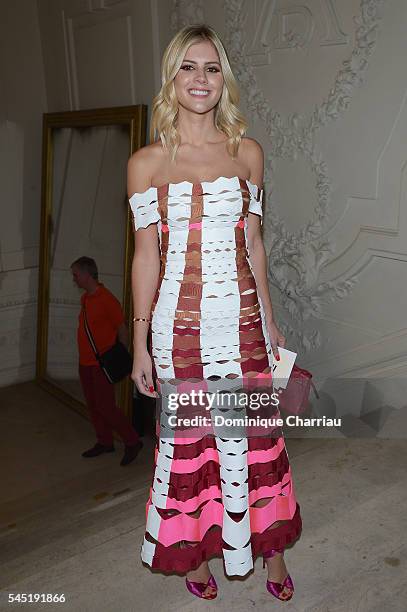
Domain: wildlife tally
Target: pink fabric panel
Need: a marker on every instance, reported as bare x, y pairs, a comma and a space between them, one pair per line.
187, 466
191, 504
184, 527
278, 509
263, 492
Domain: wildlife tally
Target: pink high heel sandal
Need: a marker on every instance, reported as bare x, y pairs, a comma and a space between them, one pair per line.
198, 588
276, 588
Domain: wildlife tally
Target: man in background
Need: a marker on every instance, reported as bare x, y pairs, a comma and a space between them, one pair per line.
105, 319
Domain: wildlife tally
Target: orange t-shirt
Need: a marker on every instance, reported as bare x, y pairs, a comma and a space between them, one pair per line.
104, 315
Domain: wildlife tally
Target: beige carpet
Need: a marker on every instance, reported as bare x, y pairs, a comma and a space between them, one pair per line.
74, 526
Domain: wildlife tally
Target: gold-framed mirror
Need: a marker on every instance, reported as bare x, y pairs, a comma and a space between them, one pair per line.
84, 211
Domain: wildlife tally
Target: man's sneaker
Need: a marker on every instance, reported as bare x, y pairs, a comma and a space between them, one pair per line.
131, 452
98, 449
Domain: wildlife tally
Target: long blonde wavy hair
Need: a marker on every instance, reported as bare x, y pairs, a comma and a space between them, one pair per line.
164, 114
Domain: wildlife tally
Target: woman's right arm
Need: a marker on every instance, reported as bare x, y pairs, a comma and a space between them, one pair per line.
144, 275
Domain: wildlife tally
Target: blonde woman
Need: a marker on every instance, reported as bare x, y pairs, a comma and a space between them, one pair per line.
199, 278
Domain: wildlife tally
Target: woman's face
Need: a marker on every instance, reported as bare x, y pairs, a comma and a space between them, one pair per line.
199, 81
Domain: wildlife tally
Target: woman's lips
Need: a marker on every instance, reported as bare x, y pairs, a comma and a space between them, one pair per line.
199, 93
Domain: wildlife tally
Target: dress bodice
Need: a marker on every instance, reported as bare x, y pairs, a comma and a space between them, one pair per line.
203, 234
209, 205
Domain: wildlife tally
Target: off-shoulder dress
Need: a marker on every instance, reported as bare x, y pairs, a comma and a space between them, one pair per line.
208, 324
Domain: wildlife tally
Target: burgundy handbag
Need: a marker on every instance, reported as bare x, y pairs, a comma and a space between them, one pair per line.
294, 398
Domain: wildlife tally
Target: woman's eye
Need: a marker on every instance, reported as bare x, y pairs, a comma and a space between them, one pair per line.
211, 68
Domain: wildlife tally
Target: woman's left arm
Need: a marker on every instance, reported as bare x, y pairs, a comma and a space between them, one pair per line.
257, 253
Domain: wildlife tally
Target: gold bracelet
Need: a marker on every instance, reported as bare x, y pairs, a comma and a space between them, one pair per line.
140, 319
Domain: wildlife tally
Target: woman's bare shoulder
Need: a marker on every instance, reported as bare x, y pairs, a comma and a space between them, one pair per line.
142, 165
253, 154
251, 147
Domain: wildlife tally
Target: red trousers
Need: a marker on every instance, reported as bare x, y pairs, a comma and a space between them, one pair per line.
106, 416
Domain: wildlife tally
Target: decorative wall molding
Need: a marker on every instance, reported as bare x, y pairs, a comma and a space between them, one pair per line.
107, 4
186, 12
266, 13
379, 357
296, 259
285, 133
14, 303
84, 7
65, 301
94, 13
352, 73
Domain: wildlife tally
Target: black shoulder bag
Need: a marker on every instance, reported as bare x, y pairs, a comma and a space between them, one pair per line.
116, 362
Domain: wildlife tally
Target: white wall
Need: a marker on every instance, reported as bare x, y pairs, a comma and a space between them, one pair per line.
323, 85
97, 53
57, 55
22, 102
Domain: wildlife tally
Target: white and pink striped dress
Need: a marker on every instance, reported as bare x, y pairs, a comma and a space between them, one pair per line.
208, 323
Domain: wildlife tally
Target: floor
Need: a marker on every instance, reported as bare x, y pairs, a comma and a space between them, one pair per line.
74, 526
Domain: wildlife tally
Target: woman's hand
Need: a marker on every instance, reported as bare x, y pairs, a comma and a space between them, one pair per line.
142, 372
276, 337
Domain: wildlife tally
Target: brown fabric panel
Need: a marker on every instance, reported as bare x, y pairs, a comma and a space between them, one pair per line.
188, 303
